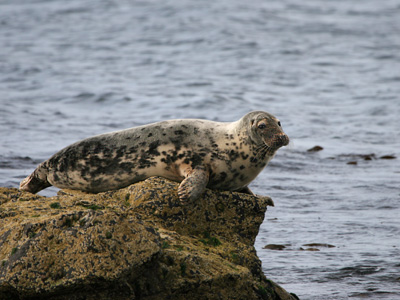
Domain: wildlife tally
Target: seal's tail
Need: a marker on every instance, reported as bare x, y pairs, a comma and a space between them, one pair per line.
34, 182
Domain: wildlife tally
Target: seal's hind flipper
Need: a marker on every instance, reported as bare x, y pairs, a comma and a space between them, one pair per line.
194, 185
34, 183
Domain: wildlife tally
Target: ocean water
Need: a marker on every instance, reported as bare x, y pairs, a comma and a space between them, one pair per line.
329, 70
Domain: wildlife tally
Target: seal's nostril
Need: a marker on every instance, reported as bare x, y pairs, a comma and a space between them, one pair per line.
282, 140
285, 139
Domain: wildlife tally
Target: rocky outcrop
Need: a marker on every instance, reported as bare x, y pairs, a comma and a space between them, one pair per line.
134, 243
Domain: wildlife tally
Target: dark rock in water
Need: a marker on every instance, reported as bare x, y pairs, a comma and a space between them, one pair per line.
368, 157
274, 247
315, 149
388, 157
135, 243
309, 249
319, 245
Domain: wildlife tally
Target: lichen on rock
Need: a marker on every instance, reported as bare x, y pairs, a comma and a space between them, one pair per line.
134, 243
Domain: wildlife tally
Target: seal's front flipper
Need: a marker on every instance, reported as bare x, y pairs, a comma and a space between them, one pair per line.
194, 185
246, 190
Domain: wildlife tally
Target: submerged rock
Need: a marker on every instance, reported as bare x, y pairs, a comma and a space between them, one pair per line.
135, 243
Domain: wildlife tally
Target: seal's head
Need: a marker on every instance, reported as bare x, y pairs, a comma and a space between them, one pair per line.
264, 130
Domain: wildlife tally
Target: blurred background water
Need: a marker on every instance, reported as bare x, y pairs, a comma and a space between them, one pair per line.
329, 70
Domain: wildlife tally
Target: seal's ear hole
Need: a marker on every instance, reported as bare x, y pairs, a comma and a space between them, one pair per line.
279, 124
252, 122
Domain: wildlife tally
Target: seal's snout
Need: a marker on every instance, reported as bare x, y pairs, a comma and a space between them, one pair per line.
281, 140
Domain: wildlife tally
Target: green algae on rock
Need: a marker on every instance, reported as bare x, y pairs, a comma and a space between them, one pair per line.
134, 243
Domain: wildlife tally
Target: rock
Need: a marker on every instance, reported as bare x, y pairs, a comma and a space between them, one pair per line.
274, 247
315, 149
135, 243
309, 249
388, 157
324, 245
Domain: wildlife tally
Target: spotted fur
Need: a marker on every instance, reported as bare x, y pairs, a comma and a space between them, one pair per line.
198, 153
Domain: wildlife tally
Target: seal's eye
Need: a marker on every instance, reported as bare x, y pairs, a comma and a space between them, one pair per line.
262, 126
279, 124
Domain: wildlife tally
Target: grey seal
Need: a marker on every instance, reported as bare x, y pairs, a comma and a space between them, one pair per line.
199, 154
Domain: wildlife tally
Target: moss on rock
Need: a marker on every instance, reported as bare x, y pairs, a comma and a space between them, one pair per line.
135, 243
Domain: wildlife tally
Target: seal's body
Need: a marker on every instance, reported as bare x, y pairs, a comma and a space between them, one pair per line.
197, 153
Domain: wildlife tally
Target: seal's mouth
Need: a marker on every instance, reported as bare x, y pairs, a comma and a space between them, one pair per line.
278, 141
270, 147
